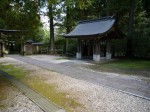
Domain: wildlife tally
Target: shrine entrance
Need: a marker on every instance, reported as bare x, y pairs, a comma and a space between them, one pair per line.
87, 49
94, 38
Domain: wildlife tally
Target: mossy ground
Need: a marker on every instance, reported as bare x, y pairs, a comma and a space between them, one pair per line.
39, 85
125, 66
4, 83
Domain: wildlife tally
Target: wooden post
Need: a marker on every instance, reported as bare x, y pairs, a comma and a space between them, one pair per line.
0, 46
96, 50
23, 49
78, 54
108, 49
2, 49
66, 45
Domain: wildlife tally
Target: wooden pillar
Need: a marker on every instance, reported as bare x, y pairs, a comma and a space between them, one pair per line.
78, 54
2, 45
66, 45
2, 49
23, 49
96, 50
108, 49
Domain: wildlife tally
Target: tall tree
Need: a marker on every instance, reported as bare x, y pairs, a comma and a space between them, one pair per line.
50, 7
20, 14
129, 50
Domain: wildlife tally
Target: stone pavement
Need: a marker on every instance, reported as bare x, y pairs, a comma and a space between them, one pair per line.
75, 69
45, 104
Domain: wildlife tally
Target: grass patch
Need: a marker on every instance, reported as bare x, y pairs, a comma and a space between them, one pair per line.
134, 67
16, 72
39, 85
63, 58
51, 93
2, 106
3, 83
128, 64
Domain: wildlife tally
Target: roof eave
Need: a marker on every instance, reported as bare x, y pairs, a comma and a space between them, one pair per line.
80, 36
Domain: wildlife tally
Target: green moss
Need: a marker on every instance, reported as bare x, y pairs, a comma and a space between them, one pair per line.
2, 106
51, 93
129, 64
18, 73
134, 67
3, 84
43, 88
64, 58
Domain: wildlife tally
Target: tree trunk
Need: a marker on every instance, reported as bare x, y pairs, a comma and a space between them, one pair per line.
129, 50
68, 25
51, 28
108, 11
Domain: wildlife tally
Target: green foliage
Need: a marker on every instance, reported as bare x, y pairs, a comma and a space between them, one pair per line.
119, 47
72, 46
141, 46
60, 41
46, 35
25, 14
22, 15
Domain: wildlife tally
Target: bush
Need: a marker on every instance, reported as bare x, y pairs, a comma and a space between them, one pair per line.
72, 47
141, 47
5, 52
61, 41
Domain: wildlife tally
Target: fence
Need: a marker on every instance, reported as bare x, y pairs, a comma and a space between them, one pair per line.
58, 49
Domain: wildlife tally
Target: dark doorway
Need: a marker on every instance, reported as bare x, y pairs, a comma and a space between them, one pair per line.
0, 49
103, 48
87, 49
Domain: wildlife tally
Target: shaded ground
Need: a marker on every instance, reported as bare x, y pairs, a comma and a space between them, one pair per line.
129, 67
93, 97
12, 100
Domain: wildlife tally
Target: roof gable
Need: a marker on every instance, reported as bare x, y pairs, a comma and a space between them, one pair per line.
95, 27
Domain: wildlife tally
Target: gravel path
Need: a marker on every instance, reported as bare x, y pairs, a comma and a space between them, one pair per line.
76, 69
16, 101
94, 98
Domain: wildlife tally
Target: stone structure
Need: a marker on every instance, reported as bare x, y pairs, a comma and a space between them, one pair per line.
31, 47
94, 38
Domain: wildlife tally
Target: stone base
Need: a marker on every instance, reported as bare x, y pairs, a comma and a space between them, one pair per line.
96, 57
78, 55
108, 55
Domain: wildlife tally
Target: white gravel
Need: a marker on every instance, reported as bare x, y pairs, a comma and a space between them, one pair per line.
94, 98
15, 101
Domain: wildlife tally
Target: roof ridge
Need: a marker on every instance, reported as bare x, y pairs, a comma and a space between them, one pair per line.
91, 20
